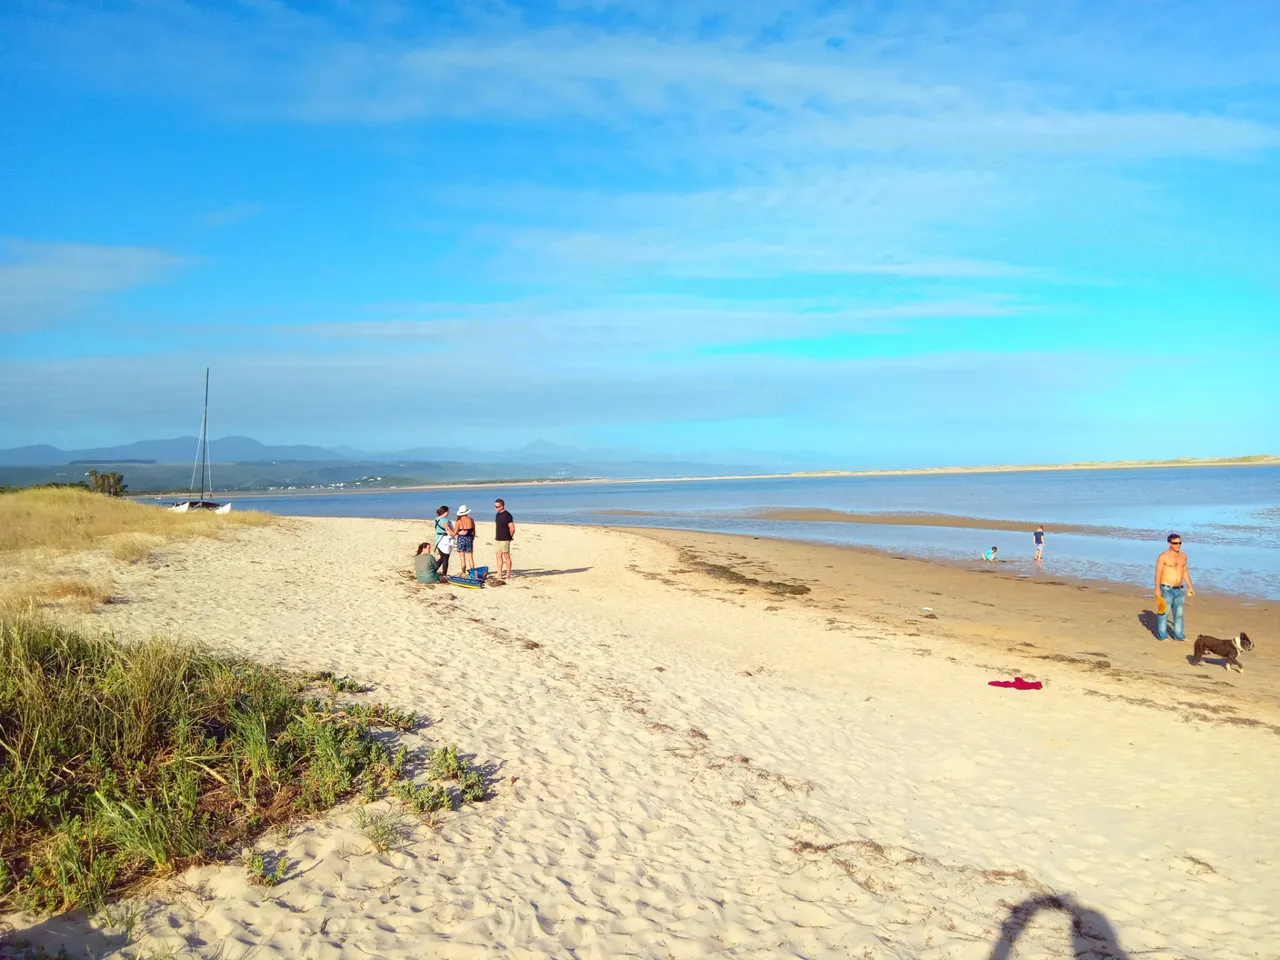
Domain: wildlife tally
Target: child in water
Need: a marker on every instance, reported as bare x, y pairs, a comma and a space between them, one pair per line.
990, 554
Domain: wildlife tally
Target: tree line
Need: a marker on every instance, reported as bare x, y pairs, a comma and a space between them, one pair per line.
109, 484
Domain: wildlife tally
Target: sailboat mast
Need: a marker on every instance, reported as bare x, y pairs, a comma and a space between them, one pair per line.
204, 435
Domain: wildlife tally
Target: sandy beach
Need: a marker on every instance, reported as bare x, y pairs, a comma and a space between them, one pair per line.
703, 745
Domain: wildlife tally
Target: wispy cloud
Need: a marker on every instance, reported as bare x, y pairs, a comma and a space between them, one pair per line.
226, 216
654, 212
887, 83
663, 253
44, 282
641, 336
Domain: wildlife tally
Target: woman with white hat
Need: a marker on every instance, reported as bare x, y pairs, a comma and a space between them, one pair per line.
466, 539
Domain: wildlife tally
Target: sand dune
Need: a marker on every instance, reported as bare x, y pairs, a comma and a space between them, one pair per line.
685, 766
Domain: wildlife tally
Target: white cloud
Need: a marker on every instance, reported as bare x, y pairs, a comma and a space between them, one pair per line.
638, 333
233, 214
992, 82
667, 253
44, 282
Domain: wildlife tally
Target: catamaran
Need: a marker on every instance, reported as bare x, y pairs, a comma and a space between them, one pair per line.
203, 467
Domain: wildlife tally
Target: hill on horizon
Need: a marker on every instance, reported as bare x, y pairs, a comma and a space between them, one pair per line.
175, 450
243, 463
238, 449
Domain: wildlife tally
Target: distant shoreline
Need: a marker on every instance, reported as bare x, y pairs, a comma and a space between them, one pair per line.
1260, 460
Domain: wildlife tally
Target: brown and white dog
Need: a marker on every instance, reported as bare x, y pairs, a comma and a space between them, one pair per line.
1228, 650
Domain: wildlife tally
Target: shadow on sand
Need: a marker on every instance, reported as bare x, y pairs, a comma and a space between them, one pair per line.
1148, 619
71, 931
1092, 936
1207, 661
521, 574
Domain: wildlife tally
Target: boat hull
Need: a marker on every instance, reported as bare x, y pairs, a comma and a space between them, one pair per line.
190, 506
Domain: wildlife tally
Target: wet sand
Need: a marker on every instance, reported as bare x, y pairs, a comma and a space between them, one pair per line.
1023, 624
821, 515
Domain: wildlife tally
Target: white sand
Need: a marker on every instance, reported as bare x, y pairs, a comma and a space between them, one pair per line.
663, 779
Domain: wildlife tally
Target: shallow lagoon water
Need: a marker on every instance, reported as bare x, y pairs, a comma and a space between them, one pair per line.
1229, 517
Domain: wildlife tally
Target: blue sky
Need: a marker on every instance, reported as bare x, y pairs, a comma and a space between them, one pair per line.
828, 234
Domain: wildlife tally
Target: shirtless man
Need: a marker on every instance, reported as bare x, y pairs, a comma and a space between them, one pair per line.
1173, 583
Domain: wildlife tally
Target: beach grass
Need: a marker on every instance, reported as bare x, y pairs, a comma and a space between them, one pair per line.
126, 760
65, 520
133, 547
76, 593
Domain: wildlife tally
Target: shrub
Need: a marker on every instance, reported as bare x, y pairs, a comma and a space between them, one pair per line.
447, 765
126, 759
385, 829
265, 870
423, 798
111, 484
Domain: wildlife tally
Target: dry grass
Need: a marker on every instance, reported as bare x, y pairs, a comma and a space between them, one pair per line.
68, 520
133, 547
82, 595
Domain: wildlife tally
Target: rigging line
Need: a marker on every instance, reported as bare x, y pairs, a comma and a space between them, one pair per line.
204, 435
195, 464
209, 467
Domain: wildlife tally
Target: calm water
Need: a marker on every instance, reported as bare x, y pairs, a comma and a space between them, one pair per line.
1228, 516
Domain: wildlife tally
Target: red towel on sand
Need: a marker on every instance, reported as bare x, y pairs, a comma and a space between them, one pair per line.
1017, 683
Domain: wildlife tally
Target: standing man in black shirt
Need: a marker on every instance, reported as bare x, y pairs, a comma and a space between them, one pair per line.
504, 533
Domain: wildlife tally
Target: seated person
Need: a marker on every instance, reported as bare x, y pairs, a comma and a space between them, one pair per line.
425, 567
990, 554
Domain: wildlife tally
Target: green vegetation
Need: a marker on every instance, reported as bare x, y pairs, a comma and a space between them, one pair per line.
111, 484
121, 760
423, 797
447, 765
264, 869
385, 829
338, 684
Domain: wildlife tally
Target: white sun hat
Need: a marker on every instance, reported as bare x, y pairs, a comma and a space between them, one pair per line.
463, 510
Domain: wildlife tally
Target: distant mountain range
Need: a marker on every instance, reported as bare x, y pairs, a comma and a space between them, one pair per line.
248, 450
243, 463
177, 450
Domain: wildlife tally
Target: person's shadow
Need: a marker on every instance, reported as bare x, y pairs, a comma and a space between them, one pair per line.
524, 574
71, 931
1149, 620
1092, 936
